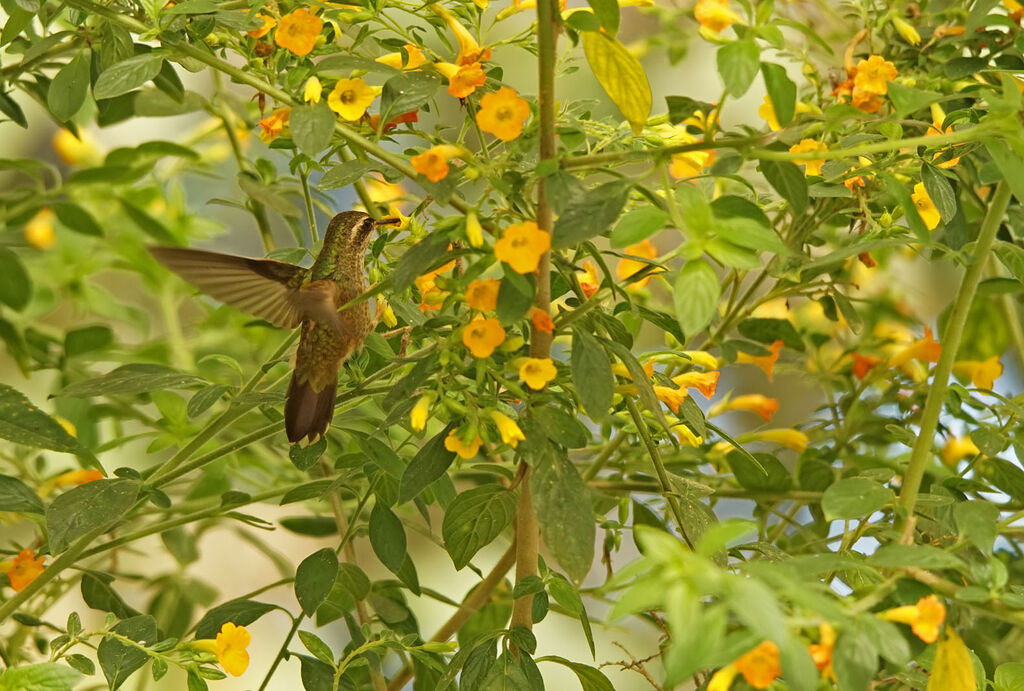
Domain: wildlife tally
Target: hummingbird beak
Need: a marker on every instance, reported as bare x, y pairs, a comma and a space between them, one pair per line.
387, 221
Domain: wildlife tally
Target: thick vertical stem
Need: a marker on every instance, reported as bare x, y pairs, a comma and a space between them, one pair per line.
922, 450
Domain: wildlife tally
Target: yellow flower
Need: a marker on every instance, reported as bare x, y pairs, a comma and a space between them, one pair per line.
383, 192
982, 373
874, 74
230, 648
925, 349
462, 79
628, 267
502, 113
621, 370
272, 125
701, 358
767, 113
705, 382
521, 246
537, 372
420, 412
68, 426
715, 15
760, 666
268, 24
74, 150
469, 49
765, 362
474, 231
957, 449
387, 314
414, 58
312, 91
806, 146
590, 282
23, 569
509, 430
482, 336
686, 436
788, 437
39, 230
298, 31
925, 208
673, 398
904, 29
433, 163
483, 294
454, 443
925, 618
821, 652
754, 403
690, 163
350, 98
78, 477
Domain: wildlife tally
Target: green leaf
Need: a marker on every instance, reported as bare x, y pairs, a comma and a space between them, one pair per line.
755, 605
749, 233
316, 646
738, 63
770, 330
1009, 677
314, 579
855, 660
23, 423
637, 225
515, 296
924, 556
203, 400
682, 107
940, 190
591, 374
119, 660
788, 180
69, 88
907, 100
387, 536
407, 91
87, 339
86, 508
18, 497
769, 475
563, 507
607, 12
590, 214
80, 663
97, 593
15, 284
77, 219
590, 678
1012, 257
44, 676
474, 519
781, 91
238, 612
855, 497
133, 379
344, 174
10, 107
416, 261
122, 77
696, 292
621, 76
1009, 163
312, 126
305, 457
901, 194
976, 521
563, 429
429, 463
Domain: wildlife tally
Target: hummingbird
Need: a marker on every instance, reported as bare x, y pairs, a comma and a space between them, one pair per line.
288, 296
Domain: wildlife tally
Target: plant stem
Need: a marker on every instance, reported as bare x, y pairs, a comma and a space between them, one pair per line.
922, 450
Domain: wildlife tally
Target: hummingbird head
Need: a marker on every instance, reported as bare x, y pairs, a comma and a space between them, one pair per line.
352, 230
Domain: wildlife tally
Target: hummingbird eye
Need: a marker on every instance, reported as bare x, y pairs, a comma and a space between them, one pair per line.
362, 230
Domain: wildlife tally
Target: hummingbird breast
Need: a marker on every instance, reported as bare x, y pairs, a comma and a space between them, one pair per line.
321, 350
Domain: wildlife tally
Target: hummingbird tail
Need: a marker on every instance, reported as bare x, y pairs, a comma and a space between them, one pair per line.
307, 413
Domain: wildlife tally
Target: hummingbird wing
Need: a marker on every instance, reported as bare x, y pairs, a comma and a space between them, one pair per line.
262, 287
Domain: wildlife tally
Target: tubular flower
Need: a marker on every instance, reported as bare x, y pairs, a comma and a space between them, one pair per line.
629, 267
906, 30
433, 163
862, 364
754, 402
723, 678
298, 30
75, 150
411, 116
590, 282
268, 24
483, 294
462, 79
350, 98
821, 652
431, 297
272, 125
760, 666
230, 648
925, 349
715, 15
958, 448
874, 74
474, 231
788, 437
705, 382
925, 207
39, 232
925, 618
767, 113
469, 49
455, 443
508, 429
502, 113
686, 436
23, 569
78, 477
982, 373
521, 246
621, 370
412, 59
387, 314
537, 372
312, 91
541, 320
765, 362
482, 336
806, 146
420, 412
702, 358
673, 398
690, 164
938, 117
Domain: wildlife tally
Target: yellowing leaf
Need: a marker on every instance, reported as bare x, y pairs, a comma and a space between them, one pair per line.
953, 669
621, 76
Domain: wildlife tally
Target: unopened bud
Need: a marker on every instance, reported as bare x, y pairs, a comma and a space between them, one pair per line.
474, 232
908, 32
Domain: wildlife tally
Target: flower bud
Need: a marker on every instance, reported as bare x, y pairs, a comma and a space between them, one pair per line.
908, 32
312, 91
387, 315
39, 230
420, 412
474, 232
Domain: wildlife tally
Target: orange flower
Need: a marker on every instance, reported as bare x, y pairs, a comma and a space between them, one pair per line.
462, 79
433, 163
874, 74
537, 372
806, 146
413, 58
760, 666
298, 31
629, 267
521, 246
483, 294
541, 320
431, 297
590, 282
482, 336
866, 101
273, 124
862, 364
77, 477
502, 113
924, 349
754, 403
469, 49
982, 373
673, 398
455, 443
925, 618
411, 116
705, 382
821, 652
765, 362
23, 569
268, 24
